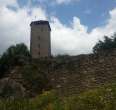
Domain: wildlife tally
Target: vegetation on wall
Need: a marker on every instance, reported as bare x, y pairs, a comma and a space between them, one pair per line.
35, 80
14, 55
107, 44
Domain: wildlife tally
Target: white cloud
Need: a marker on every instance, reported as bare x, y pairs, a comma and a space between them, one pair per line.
74, 39
15, 25
57, 1
69, 40
66, 1
8, 2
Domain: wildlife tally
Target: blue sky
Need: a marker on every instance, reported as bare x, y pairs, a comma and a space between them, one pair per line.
76, 24
92, 13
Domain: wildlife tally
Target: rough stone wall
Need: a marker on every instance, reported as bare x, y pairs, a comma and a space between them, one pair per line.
75, 74
72, 74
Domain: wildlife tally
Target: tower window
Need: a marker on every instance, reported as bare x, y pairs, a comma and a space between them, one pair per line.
39, 53
39, 37
39, 45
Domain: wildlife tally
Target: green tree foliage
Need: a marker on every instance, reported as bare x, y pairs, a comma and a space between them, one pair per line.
35, 80
107, 44
14, 55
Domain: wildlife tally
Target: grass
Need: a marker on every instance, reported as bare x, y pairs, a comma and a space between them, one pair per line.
102, 98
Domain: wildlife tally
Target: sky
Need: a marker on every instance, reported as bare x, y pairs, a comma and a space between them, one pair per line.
77, 25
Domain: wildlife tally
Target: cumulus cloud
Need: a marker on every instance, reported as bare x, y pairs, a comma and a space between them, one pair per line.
14, 25
8, 2
68, 40
73, 39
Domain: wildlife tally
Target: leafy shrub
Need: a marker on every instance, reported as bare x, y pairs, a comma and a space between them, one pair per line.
35, 79
103, 98
17, 104
108, 44
46, 101
14, 55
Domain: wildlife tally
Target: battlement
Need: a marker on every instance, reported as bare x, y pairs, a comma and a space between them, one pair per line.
41, 22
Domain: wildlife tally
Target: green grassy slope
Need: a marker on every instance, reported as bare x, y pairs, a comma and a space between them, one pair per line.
102, 98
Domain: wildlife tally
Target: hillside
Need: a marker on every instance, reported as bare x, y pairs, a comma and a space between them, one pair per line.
68, 75
101, 98
83, 82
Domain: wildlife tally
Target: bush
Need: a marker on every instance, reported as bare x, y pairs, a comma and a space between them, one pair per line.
14, 55
17, 104
108, 44
103, 98
35, 79
46, 101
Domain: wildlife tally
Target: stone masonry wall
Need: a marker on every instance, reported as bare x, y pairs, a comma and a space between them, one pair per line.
73, 75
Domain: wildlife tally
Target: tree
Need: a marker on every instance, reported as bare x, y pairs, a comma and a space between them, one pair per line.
14, 55
107, 44
35, 80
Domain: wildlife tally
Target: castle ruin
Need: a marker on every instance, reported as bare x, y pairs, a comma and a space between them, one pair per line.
40, 42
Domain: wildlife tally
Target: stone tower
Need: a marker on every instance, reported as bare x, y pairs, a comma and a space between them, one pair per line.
40, 44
